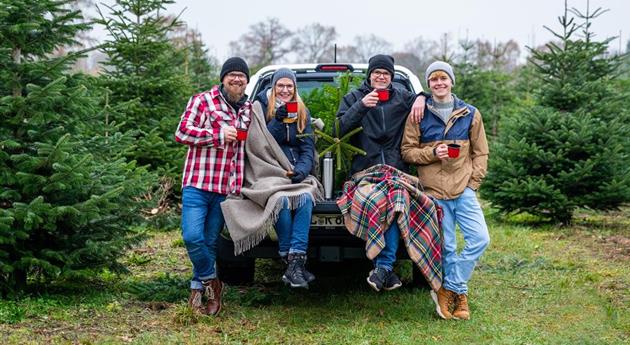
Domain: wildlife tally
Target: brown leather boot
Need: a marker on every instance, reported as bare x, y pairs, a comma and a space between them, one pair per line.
461, 311
444, 300
194, 301
213, 289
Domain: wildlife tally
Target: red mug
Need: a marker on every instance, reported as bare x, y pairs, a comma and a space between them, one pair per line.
292, 107
453, 150
383, 95
241, 134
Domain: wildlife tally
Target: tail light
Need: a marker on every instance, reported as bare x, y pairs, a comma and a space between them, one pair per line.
334, 68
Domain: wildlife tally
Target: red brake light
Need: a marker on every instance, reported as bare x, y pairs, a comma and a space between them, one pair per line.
334, 68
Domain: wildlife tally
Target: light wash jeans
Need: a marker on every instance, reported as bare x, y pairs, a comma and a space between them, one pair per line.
292, 228
465, 212
202, 221
387, 257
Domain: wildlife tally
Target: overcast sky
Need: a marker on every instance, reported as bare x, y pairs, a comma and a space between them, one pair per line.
399, 21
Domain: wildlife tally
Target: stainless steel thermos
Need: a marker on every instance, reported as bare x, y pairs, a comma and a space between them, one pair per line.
328, 176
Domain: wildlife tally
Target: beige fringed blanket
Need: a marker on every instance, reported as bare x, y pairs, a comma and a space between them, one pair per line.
251, 215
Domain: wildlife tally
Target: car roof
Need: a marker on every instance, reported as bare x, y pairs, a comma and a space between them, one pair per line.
301, 69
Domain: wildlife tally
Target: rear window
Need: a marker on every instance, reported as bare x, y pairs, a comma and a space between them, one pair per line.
307, 82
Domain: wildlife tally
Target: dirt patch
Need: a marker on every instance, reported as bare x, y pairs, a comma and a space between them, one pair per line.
615, 247
606, 234
612, 247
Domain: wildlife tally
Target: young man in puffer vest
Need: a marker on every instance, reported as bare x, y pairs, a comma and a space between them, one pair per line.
452, 175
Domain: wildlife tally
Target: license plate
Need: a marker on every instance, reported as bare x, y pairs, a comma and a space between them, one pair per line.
327, 220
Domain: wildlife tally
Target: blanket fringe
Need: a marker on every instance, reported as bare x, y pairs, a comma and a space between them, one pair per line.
249, 242
297, 201
252, 240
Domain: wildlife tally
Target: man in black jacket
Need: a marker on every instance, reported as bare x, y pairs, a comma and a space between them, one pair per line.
383, 125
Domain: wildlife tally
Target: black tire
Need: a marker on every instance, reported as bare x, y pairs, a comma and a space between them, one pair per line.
231, 269
417, 278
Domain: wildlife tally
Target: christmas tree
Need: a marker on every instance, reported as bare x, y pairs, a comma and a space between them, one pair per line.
66, 193
199, 67
144, 70
570, 148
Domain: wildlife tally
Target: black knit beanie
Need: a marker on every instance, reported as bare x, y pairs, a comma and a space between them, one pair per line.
234, 64
381, 61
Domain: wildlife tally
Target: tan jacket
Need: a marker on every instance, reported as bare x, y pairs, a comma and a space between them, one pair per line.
447, 179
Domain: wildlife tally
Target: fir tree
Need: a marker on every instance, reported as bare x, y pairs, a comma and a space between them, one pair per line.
488, 90
201, 69
570, 149
66, 194
324, 102
575, 72
145, 66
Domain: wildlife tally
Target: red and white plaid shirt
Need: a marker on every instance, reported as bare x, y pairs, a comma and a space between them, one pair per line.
212, 164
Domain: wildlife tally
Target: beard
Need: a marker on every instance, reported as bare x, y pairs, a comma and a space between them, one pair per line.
235, 97
234, 92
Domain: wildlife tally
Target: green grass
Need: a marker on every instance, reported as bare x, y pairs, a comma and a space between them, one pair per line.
535, 285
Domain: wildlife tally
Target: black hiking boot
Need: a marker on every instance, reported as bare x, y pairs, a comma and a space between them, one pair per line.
310, 277
294, 275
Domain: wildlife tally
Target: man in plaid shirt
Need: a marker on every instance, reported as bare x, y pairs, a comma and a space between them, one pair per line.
213, 169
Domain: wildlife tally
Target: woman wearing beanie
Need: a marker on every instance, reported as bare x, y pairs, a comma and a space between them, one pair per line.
293, 132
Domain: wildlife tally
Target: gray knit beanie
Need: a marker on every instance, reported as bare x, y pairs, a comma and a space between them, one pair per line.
283, 73
439, 66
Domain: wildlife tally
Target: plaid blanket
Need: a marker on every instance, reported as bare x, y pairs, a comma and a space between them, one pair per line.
370, 201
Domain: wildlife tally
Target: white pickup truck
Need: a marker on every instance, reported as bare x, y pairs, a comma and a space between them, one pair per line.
329, 241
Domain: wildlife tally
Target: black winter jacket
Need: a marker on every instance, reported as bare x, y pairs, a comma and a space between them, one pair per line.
383, 126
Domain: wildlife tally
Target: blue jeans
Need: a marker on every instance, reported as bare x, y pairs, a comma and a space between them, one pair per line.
465, 212
202, 221
292, 227
387, 257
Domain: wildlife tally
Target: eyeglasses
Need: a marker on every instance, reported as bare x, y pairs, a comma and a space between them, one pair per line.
381, 74
289, 87
233, 75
